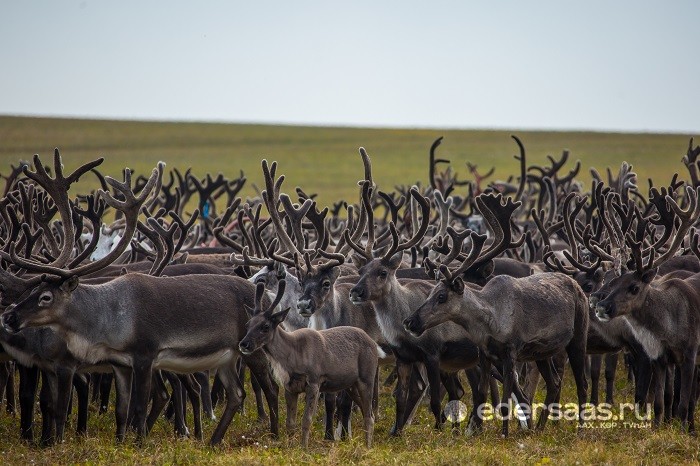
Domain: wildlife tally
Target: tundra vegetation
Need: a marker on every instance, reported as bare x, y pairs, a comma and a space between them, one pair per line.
139, 303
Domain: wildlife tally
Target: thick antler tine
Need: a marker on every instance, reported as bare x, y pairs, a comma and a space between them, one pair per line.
334, 260
694, 242
580, 266
307, 262
554, 263
445, 271
521, 159
281, 285
430, 267
259, 293
478, 242
368, 165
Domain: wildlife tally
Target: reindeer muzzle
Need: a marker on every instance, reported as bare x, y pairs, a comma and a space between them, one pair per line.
10, 320
245, 347
414, 326
305, 307
356, 296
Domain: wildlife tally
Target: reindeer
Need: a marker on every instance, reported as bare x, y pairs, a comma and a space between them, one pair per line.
311, 361
663, 315
511, 320
393, 300
130, 322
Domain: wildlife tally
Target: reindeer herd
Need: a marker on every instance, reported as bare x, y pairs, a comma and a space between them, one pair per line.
508, 282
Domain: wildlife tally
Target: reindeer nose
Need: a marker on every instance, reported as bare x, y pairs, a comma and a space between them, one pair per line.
10, 321
245, 347
356, 295
304, 307
412, 325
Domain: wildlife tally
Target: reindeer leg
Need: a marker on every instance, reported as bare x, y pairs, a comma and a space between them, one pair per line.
47, 404
659, 384
11, 407
596, 364
160, 397
28, 383
687, 380
234, 400
291, 400
312, 391
261, 373
143, 373
478, 399
553, 388
82, 390
176, 398
508, 380
205, 393
404, 374
329, 399
611, 360
122, 379
193, 390
64, 390
105, 388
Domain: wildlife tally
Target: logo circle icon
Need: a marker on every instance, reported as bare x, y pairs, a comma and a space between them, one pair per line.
455, 411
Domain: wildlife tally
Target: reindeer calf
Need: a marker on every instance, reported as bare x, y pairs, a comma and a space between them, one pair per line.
310, 361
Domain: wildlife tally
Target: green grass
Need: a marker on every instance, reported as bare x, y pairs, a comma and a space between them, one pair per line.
325, 160
322, 160
247, 442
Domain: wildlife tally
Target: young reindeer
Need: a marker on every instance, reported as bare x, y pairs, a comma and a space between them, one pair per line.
310, 361
513, 319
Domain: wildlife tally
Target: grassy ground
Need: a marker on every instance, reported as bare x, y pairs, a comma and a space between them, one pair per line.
248, 443
325, 160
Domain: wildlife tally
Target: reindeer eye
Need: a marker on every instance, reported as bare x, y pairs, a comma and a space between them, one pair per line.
326, 284
634, 289
265, 327
442, 298
587, 287
45, 298
382, 274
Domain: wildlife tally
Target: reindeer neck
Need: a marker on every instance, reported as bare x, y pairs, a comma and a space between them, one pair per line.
476, 315
284, 347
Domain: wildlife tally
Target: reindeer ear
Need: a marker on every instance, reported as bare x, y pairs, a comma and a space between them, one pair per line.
649, 275
335, 273
395, 260
458, 285
249, 310
599, 275
279, 317
70, 284
486, 270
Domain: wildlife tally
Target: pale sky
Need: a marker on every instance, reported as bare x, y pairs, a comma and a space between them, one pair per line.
602, 65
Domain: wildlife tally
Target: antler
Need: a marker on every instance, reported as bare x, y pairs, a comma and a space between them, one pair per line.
418, 234
129, 206
57, 188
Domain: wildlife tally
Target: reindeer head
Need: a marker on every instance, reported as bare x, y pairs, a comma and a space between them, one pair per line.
43, 306
263, 323
445, 299
378, 274
317, 282
627, 292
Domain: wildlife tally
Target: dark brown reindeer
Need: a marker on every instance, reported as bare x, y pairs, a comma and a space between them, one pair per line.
663, 315
130, 322
311, 361
511, 320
